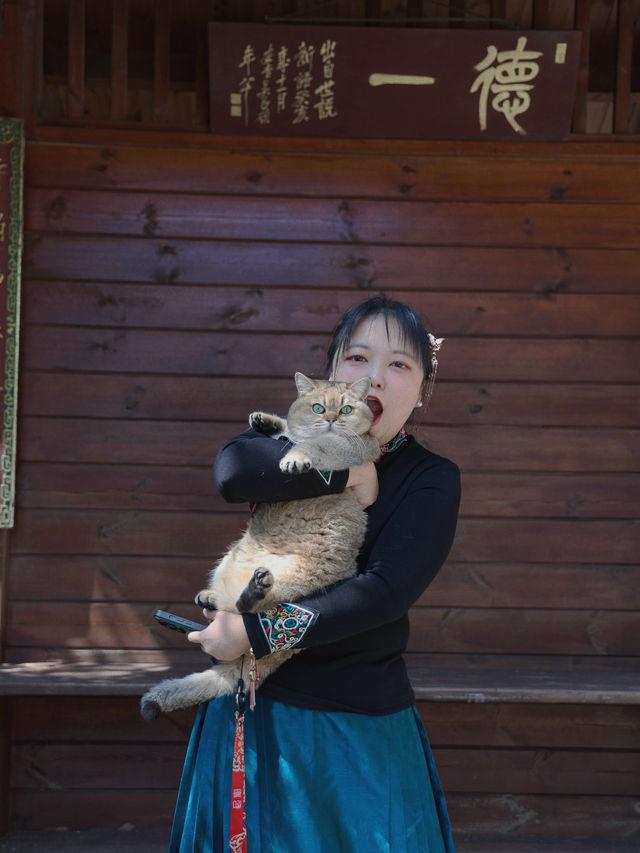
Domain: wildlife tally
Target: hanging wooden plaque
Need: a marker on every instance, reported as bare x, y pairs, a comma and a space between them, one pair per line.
409, 83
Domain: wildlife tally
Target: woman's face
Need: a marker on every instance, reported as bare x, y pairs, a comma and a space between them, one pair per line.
395, 372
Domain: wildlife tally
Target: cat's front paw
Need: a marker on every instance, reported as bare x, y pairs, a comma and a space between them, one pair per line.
266, 424
207, 598
295, 462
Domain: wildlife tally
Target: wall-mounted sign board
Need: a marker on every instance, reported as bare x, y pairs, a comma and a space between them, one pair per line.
11, 180
372, 82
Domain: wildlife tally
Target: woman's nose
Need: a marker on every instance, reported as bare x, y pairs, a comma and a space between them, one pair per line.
377, 379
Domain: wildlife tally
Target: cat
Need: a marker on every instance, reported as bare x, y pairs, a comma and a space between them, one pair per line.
289, 549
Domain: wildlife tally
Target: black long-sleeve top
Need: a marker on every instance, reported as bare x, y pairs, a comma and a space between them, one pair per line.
352, 648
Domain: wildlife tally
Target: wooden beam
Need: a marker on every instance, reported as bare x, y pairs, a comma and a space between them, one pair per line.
75, 95
119, 59
162, 60
622, 100
582, 23
541, 14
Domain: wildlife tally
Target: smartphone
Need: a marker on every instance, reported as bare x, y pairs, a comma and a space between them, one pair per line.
170, 620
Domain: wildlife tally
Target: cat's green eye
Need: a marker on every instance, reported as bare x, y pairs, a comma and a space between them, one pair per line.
346, 410
318, 409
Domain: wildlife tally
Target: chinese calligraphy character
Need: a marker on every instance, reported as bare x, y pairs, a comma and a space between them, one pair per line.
246, 84
2, 227
264, 95
304, 57
325, 105
281, 82
509, 82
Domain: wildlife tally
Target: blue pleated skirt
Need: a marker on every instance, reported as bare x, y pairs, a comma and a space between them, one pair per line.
318, 782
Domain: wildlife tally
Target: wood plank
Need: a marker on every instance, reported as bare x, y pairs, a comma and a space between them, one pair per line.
490, 631
546, 815
107, 718
161, 60
99, 486
198, 353
107, 577
624, 60
582, 23
40, 810
317, 310
228, 217
196, 444
538, 771
459, 631
584, 586
119, 58
568, 172
361, 268
505, 725
73, 766
76, 51
198, 398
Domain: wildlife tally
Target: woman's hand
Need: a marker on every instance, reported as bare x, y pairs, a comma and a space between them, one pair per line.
363, 479
225, 638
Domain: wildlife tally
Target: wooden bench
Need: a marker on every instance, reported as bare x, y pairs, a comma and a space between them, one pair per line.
489, 719
432, 682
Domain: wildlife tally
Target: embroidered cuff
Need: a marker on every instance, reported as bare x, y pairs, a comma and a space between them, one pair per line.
285, 625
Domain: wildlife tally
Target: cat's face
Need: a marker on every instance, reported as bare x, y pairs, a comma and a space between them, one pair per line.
324, 407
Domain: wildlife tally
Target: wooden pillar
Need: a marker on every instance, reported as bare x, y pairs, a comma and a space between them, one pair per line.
582, 23
75, 95
162, 60
119, 59
622, 100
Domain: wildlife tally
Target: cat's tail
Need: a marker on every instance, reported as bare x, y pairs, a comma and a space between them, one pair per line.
176, 693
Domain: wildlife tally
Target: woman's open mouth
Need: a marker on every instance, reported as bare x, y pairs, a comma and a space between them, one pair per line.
376, 408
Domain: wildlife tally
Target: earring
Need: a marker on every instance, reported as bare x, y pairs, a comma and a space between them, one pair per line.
418, 404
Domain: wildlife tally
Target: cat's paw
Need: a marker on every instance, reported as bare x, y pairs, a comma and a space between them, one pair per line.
295, 462
266, 424
255, 591
206, 598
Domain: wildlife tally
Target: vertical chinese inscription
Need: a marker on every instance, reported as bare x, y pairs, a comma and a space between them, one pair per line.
264, 95
281, 81
506, 75
292, 84
325, 104
240, 99
304, 64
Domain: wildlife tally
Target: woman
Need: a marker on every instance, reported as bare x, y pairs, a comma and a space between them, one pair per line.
336, 757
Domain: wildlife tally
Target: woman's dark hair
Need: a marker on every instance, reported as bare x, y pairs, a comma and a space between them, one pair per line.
412, 331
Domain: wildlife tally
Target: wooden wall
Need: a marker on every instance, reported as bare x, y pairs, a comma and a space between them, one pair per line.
173, 284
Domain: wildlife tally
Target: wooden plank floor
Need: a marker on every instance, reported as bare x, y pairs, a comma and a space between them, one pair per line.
155, 841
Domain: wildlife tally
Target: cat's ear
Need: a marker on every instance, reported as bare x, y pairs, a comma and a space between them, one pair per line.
303, 384
361, 387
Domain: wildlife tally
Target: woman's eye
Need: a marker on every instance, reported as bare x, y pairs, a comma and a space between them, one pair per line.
318, 409
357, 358
399, 364
346, 410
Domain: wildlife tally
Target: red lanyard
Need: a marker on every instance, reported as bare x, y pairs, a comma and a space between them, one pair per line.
238, 818
237, 826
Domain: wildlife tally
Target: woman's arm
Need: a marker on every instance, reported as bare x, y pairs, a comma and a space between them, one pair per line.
246, 470
411, 547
